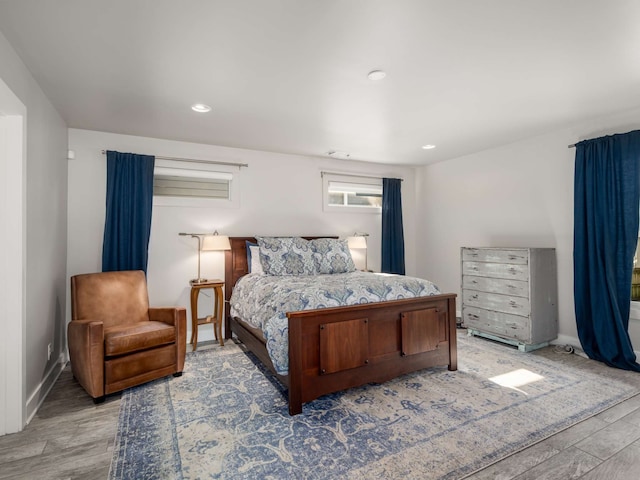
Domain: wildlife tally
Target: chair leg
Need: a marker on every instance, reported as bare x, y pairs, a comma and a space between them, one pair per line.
99, 400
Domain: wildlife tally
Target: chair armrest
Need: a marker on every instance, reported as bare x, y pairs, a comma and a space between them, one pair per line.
85, 339
176, 316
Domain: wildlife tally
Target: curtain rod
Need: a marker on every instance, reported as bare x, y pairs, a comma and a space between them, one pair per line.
573, 145
322, 174
193, 160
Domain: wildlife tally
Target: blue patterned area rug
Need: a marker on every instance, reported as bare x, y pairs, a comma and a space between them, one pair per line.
227, 418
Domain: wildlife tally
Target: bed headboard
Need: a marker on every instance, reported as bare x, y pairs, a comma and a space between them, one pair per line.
235, 266
235, 262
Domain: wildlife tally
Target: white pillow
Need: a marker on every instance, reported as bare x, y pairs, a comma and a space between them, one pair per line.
256, 265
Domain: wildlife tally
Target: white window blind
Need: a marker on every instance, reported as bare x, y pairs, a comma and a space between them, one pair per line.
184, 182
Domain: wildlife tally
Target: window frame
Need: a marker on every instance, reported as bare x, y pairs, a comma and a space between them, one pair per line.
350, 179
634, 312
233, 201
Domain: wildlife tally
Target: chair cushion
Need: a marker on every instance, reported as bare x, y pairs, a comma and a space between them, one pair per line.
123, 339
113, 298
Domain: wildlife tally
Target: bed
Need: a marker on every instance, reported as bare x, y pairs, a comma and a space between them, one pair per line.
336, 348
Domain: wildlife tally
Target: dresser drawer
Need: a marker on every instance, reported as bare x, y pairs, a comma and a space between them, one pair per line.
499, 303
498, 323
518, 288
519, 257
496, 270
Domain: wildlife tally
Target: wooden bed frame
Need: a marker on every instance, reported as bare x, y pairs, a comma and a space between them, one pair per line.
332, 349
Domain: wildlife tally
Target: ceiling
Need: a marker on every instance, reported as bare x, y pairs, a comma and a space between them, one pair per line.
291, 75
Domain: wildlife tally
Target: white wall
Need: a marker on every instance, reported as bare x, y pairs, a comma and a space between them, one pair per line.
516, 195
279, 195
45, 218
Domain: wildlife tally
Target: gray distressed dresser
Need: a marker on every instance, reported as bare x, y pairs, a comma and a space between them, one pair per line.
510, 295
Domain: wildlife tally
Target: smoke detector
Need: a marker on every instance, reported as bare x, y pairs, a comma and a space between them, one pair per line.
337, 154
376, 75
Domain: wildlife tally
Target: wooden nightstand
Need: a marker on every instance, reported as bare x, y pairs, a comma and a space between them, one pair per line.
215, 318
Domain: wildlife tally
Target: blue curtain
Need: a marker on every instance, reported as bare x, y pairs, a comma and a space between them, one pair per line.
606, 204
392, 231
127, 223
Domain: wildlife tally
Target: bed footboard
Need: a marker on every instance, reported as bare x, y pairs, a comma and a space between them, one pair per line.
333, 349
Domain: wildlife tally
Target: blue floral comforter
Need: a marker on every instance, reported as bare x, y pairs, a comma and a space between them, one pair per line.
264, 300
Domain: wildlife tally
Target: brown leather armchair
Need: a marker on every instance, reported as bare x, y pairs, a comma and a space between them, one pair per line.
115, 340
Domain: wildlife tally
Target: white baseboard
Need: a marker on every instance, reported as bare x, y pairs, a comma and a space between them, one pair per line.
567, 340
575, 343
205, 334
45, 386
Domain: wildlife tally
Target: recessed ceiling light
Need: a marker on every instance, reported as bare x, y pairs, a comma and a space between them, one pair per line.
376, 75
428, 147
200, 108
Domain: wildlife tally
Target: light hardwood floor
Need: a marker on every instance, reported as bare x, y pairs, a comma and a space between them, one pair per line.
71, 438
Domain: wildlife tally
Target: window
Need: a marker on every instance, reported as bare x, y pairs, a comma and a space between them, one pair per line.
355, 194
634, 313
352, 193
180, 182
184, 184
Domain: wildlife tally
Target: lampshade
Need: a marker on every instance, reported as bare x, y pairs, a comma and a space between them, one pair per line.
215, 242
357, 242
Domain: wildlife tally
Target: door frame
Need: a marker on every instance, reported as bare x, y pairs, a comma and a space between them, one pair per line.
13, 118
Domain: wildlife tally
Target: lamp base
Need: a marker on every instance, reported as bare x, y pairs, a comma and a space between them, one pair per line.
195, 281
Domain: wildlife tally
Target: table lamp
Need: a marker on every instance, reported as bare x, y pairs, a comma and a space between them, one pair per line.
359, 241
208, 242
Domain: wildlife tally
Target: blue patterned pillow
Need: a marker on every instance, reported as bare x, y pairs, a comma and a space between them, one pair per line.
332, 256
286, 256
248, 246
